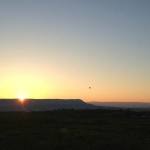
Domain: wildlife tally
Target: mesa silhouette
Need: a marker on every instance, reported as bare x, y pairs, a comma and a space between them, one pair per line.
43, 104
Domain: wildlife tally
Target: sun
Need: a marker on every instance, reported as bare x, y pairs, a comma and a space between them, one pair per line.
22, 97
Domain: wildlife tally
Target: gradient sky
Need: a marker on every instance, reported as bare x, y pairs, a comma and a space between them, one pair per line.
58, 48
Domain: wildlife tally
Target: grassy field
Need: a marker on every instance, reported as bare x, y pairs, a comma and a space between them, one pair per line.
75, 130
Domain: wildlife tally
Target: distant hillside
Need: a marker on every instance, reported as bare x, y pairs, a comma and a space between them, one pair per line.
43, 104
123, 104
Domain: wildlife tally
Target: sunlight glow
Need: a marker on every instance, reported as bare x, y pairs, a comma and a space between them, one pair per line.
21, 97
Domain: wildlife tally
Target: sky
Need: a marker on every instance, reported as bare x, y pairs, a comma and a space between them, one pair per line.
60, 48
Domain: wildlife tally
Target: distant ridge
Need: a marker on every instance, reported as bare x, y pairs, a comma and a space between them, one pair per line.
143, 105
43, 104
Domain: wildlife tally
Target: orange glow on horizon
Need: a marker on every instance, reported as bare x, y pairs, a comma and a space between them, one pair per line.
34, 85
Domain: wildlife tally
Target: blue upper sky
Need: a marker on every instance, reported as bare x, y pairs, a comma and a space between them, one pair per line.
73, 44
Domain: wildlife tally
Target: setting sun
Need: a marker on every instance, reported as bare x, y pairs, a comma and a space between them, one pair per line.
21, 97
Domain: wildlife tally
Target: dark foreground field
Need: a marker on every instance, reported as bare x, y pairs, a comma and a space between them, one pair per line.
75, 130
